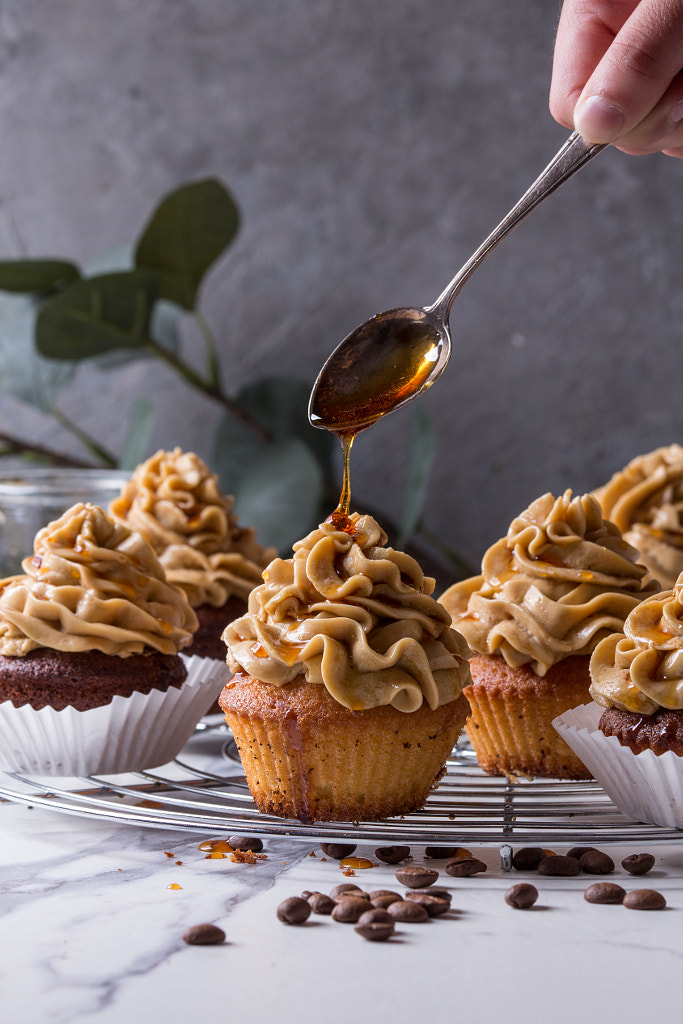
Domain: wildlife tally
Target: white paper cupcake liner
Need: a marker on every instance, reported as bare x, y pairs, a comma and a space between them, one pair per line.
645, 786
129, 734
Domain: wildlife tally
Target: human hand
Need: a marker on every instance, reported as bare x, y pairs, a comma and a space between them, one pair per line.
617, 74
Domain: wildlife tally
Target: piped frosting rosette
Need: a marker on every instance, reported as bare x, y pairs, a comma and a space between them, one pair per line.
645, 500
174, 501
561, 579
354, 616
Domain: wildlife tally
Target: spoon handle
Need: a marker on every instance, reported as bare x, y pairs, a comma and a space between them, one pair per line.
570, 158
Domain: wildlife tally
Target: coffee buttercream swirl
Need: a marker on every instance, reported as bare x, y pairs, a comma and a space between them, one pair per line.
559, 581
645, 500
354, 616
91, 584
175, 502
641, 669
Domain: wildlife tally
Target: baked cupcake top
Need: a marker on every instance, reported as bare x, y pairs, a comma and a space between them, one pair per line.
553, 587
92, 585
354, 616
645, 500
174, 501
641, 669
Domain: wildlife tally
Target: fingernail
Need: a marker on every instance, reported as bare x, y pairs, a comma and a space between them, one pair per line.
598, 120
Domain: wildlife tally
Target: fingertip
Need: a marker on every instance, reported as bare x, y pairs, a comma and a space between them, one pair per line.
597, 119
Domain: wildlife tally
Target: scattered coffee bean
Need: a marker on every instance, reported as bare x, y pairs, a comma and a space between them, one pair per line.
436, 891
306, 893
343, 888
246, 844
578, 851
416, 877
521, 896
392, 854
604, 892
465, 867
204, 935
644, 899
444, 852
595, 862
409, 911
529, 857
349, 908
433, 903
337, 851
638, 863
559, 865
384, 899
293, 910
320, 903
375, 925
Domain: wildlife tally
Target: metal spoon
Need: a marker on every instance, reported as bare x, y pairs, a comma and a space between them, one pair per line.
395, 356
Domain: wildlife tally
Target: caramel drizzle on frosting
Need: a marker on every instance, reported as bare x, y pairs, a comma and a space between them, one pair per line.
174, 501
354, 616
553, 587
92, 584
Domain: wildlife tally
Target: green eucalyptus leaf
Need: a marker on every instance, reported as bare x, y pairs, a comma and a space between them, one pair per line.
38, 276
140, 425
279, 493
187, 232
24, 373
418, 472
101, 314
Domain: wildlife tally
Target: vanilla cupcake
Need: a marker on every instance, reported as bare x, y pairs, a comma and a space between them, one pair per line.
561, 580
174, 501
645, 500
89, 652
347, 694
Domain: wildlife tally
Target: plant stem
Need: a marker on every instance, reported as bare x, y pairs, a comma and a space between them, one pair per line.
92, 446
210, 389
213, 364
15, 446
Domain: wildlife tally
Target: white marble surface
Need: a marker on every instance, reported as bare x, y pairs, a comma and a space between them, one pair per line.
90, 931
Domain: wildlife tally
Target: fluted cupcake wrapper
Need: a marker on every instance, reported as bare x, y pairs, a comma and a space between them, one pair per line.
646, 787
144, 730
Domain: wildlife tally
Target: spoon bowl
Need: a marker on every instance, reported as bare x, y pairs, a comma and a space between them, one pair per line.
394, 356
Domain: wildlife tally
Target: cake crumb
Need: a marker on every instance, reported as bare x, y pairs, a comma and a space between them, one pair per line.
247, 857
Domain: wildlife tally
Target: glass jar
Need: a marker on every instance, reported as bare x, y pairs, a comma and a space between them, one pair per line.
33, 496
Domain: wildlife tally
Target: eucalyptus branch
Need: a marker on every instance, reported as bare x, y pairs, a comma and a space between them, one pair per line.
213, 364
97, 450
15, 446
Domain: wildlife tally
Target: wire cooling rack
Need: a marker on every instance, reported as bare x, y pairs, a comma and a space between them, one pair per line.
203, 790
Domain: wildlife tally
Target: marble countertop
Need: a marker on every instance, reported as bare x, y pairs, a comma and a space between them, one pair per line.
92, 915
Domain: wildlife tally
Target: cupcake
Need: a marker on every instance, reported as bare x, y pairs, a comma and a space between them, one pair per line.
561, 580
645, 500
90, 636
347, 693
174, 501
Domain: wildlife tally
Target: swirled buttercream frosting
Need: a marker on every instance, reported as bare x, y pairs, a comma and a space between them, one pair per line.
174, 501
641, 669
92, 585
645, 500
560, 580
352, 615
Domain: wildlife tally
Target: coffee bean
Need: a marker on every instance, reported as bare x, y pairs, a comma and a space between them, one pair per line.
349, 908
337, 851
578, 851
594, 862
433, 903
444, 852
638, 863
204, 935
416, 877
345, 887
383, 892
392, 854
559, 865
465, 867
644, 899
246, 844
604, 892
293, 910
521, 896
384, 899
437, 891
320, 903
375, 925
409, 911
529, 857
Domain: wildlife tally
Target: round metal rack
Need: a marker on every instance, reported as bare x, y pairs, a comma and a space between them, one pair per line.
204, 791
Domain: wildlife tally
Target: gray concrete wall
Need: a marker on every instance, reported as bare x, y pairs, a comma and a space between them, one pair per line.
371, 145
